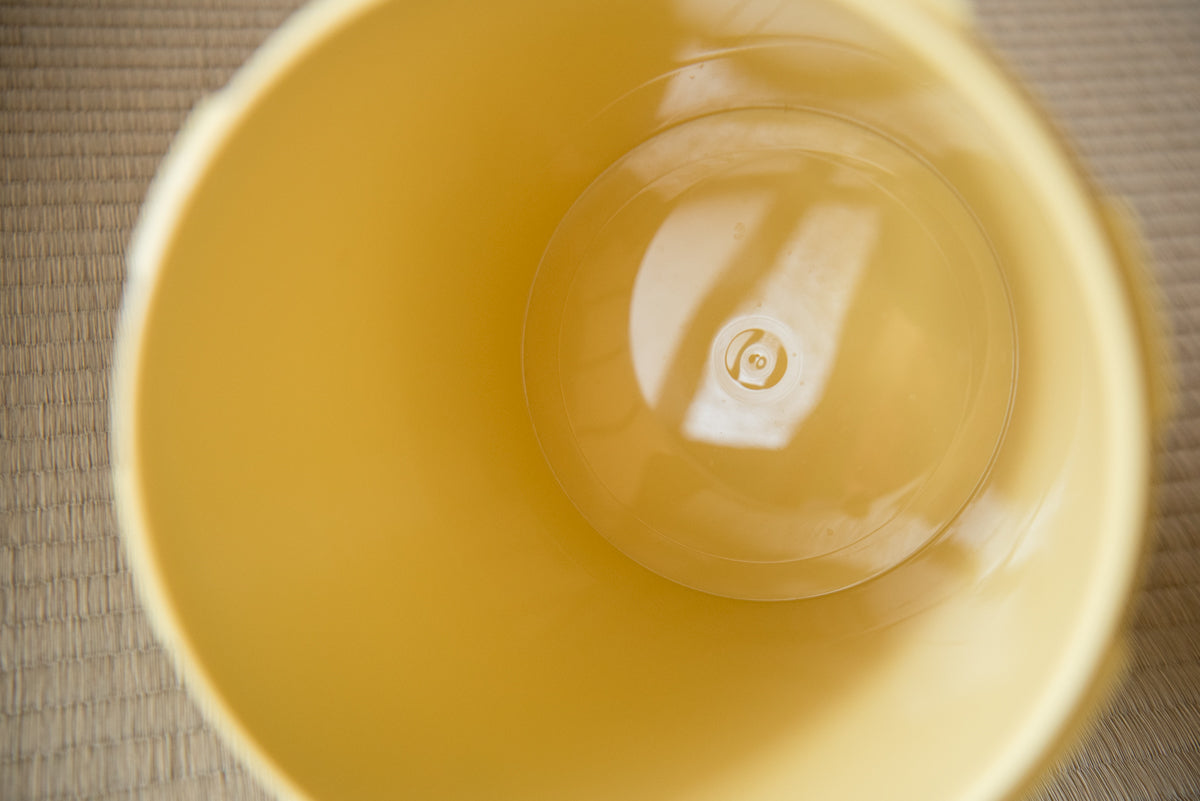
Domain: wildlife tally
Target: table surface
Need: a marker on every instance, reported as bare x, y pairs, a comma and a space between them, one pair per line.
91, 93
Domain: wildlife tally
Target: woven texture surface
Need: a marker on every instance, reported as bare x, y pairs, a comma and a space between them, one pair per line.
91, 93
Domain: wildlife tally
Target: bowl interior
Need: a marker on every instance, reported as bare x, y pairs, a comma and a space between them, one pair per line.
347, 528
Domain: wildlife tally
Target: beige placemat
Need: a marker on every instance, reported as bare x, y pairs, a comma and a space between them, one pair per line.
91, 92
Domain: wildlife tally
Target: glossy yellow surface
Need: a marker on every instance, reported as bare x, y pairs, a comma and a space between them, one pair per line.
333, 490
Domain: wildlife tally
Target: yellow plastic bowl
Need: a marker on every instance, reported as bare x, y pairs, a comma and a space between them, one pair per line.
365, 512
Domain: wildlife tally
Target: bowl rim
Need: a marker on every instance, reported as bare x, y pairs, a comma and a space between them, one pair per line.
948, 46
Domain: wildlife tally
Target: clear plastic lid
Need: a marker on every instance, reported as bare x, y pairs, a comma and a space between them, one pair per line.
769, 352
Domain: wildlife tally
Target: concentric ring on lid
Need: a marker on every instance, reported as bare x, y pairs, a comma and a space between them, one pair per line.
769, 353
